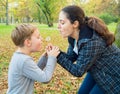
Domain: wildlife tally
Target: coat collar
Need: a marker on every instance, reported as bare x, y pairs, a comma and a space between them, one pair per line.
85, 33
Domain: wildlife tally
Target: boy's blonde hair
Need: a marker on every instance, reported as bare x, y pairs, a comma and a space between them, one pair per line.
22, 32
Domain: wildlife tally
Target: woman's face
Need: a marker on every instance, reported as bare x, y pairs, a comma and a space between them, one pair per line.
65, 27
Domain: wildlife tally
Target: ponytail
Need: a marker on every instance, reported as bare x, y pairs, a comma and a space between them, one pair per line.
100, 27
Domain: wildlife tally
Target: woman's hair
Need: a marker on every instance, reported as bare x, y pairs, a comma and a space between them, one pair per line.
74, 13
22, 32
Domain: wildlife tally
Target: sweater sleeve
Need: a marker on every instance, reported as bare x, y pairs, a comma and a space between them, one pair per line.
32, 71
42, 62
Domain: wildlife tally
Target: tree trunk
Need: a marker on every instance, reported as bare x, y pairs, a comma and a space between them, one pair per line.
7, 18
47, 16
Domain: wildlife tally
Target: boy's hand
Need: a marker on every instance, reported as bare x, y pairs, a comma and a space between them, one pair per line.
54, 51
49, 47
44, 54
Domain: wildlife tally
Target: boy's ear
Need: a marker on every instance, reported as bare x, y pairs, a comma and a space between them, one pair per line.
27, 42
76, 24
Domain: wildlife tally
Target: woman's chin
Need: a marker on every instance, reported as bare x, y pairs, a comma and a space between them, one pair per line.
63, 36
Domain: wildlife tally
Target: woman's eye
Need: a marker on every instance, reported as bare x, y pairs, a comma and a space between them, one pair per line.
62, 23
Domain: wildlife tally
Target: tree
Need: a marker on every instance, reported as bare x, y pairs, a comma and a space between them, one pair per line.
44, 5
22, 11
50, 9
118, 7
25, 11
97, 7
5, 4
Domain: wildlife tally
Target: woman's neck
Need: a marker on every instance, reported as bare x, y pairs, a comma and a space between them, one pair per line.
75, 35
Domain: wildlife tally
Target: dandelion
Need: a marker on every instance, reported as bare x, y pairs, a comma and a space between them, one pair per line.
48, 38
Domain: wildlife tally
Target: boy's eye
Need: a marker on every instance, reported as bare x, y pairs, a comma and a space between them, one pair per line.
38, 37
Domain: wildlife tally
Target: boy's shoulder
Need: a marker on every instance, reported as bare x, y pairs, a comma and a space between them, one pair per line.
21, 56
18, 59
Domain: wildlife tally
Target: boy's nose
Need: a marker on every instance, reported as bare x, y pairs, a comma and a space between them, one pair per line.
41, 38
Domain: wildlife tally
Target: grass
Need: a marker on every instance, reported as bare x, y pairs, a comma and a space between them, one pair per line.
112, 27
5, 29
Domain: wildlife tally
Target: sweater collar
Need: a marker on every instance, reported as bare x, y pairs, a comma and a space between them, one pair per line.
85, 33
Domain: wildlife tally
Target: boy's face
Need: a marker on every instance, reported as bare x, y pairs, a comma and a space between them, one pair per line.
36, 41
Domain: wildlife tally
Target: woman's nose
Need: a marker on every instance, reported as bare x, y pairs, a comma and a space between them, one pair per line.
59, 26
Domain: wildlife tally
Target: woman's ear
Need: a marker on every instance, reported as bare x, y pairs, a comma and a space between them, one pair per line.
27, 42
76, 24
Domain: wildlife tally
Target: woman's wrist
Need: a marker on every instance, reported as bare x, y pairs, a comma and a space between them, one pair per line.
59, 54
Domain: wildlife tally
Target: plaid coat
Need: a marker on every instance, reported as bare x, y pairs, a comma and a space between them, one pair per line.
103, 62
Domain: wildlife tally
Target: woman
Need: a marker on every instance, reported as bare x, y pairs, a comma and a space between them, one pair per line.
91, 47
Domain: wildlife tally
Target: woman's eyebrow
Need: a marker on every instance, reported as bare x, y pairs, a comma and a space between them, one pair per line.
61, 20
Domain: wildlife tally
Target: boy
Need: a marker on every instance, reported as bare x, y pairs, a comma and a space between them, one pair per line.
23, 71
